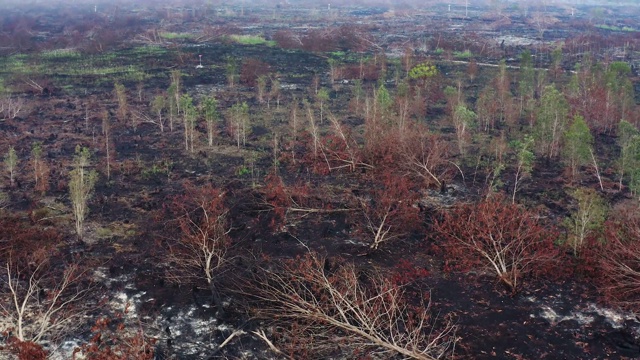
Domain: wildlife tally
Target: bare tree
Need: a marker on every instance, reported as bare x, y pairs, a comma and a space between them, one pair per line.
106, 131
319, 311
426, 156
40, 168
10, 107
339, 148
39, 306
313, 128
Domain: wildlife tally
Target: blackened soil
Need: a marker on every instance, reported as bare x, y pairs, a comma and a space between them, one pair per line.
496, 325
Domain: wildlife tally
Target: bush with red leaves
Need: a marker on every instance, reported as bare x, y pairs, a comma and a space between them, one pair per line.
407, 272
505, 238
27, 350
112, 340
288, 203
20, 239
389, 211
620, 260
251, 70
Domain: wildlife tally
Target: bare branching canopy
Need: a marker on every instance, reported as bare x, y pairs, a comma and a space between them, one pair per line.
323, 312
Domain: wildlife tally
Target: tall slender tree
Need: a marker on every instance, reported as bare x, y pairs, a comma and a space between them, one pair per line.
551, 122
211, 117
81, 184
11, 164
578, 145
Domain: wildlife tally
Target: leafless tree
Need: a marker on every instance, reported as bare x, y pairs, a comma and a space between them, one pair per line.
426, 156
37, 305
10, 106
320, 311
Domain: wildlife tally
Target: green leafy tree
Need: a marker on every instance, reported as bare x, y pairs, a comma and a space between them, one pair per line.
323, 97
383, 102
232, 71
81, 184
524, 161
189, 116
176, 82
578, 145
494, 160
629, 161
504, 97
239, 122
620, 93
211, 116
172, 104
357, 93
11, 163
551, 122
526, 84
158, 106
587, 219
261, 87
423, 71
463, 120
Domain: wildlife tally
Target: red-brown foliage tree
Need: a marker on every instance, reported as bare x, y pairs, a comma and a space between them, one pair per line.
426, 156
251, 70
20, 239
286, 204
506, 238
200, 252
287, 39
389, 211
27, 350
346, 38
620, 260
112, 340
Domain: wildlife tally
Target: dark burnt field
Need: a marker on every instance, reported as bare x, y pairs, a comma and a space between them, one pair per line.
302, 181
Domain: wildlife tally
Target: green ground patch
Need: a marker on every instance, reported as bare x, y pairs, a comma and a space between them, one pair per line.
252, 40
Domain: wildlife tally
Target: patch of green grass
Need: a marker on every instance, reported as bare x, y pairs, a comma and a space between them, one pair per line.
148, 50
157, 170
60, 54
252, 40
15, 64
462, 54
616, 28
67, 67
176, 36
116, 229
104, 233
438, 51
